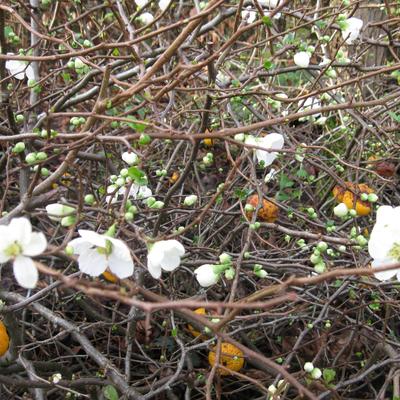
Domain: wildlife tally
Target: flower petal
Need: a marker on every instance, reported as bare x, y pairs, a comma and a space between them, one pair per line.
5, 240
93, 237
380, 243
21, 230
154, 268
25, 272
120, 266
16, 68
80, 245
384, 275
91, 262
120, 249
170, 261
36, 245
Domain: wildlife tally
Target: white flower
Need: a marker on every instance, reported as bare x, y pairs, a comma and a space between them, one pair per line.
146, 18
352, 30
384, 242
141, 3
341, 210
56, 378
166, 255
19, 243
248, 15
96, 252
138, 192
130, 158
270, 141
19, 69
58, 211
163, 4
310, 103
302, 59
206, 276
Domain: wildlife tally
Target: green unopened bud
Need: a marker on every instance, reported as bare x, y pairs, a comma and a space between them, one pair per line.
30, 158
120, 181
129, 216
157, 205
41, 156
330, 252
316, 373
225, 258
133, 209
124, 172
247, 255
372, 198
361, 240
310, 211
44, 172
320, 268
89, 199
229, 273
352, 212
19, 147
315, 259
190, 200
68, 221
144, 139
301, 243
19, 119
248, 208
78, 64
69, 250
322, 246
342, 248
261, 273
150, 201
364, 196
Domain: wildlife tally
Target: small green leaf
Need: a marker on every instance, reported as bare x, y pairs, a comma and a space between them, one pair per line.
329, 375
268, 64
285, 182
138, 176
267, 20
394, 116
110, 393
136, 126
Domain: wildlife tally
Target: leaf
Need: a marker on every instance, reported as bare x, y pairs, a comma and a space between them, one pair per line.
394, 116
136, 126
285, 182
267, 20
268, 64
137, 175
329, 375
281, 196
110, 393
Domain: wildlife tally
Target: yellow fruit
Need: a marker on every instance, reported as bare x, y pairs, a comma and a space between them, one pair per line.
231, 358
208, 142
110, 277
268, 212
4, 339
351, 200
174, 177
200, 311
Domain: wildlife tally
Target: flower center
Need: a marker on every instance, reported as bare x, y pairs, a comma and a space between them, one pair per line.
106, 251
13, 250
395, 251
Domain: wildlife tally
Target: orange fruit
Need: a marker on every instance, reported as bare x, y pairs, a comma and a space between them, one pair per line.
110, 277
231, 358
4, 339
192, 330
268, 212
208, 142
353, 200
174, 177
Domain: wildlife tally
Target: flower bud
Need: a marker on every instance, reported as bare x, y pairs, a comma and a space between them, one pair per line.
308, 367
30, 158
225, 258
341, 210
372, 198
19, 147
322, 246
130, 158
89, 199
68, 221
302, 59
316, 373
190, 200
239, 137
